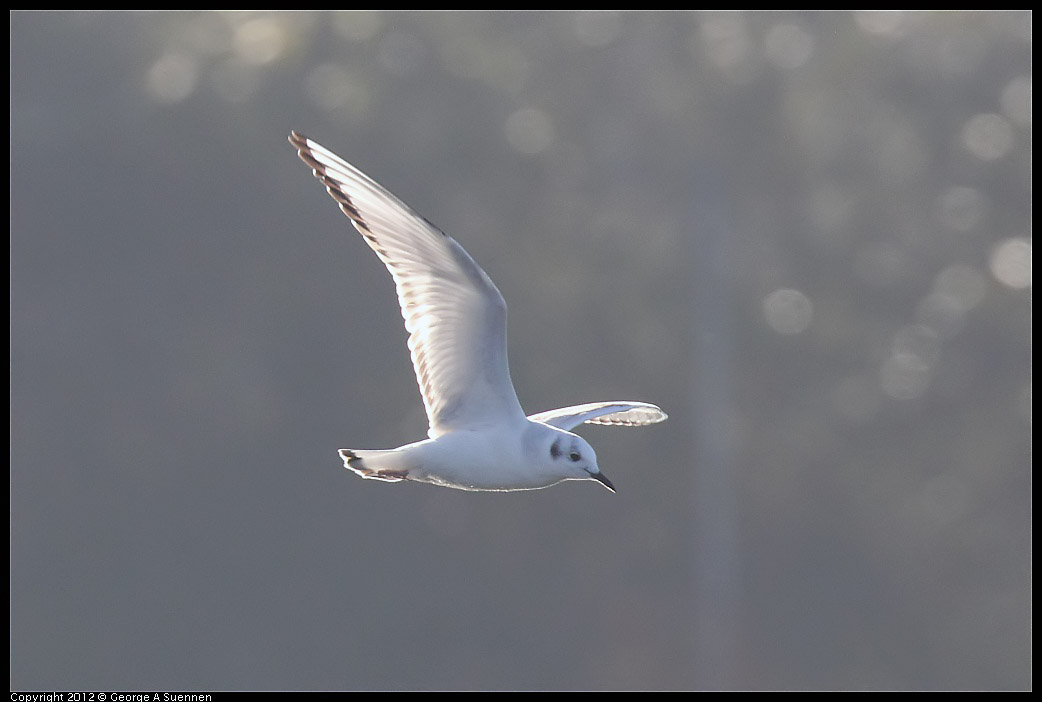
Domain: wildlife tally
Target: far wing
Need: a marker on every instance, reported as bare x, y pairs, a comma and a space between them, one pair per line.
624, 414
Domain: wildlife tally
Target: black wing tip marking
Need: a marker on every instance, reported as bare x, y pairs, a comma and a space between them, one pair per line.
347, 205
304, 151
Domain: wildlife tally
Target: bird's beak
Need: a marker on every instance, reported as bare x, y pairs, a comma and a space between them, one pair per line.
602, 479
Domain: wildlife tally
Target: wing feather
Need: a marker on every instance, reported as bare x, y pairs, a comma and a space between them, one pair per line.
625, 413
455, 316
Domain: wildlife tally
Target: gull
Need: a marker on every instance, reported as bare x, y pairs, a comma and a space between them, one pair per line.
479, 437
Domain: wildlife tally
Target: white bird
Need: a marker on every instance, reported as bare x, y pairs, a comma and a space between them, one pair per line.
479, 437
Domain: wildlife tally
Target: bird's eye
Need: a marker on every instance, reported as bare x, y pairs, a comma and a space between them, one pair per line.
573, 456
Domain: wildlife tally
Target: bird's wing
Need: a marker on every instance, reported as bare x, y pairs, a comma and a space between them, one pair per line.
455, 316
624, 414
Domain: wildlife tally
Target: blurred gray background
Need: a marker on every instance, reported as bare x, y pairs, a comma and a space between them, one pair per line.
806, 236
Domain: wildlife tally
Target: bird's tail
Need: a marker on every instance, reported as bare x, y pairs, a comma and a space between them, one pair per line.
376, 465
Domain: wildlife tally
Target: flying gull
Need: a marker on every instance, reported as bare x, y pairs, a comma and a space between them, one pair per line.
479, 437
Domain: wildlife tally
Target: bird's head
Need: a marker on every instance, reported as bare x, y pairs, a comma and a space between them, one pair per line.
571, 457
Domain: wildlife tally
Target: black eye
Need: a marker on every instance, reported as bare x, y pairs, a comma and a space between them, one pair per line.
573, 456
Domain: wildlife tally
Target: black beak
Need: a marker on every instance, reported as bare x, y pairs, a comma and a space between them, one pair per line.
603, 480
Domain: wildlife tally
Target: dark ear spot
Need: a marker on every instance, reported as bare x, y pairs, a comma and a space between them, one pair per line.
555, 449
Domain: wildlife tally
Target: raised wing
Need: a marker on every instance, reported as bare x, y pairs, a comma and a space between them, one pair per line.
624, 414
455, 316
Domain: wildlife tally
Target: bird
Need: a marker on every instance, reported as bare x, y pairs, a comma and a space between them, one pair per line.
479, 438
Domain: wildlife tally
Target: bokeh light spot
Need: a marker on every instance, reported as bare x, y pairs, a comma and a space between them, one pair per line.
529, 130
260, 40
788, 311
332, 87
1016, 100
1011, 262
788, 45
964, 284
172, 78
988, 136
